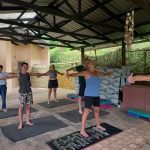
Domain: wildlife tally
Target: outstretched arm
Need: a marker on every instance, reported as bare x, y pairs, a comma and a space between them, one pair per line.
9, 77
43, 74
12, 73
132, 79
72, 68
83, 73
142, 78
100, 73
35, 74
60, 73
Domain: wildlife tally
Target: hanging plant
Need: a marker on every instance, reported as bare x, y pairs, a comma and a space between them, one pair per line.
129, 30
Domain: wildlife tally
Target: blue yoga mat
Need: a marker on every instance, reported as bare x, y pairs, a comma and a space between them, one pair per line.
139, 112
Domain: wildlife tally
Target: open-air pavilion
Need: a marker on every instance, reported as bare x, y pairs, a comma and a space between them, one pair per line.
26, 29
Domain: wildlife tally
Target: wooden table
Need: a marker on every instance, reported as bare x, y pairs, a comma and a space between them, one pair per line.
136, 96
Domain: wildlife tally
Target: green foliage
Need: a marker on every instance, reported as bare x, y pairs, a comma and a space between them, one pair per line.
138, 57
103, 51
63, 58
64, 55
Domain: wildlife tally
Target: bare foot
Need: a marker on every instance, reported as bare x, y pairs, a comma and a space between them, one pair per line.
29, 123
48, 102
80, 112
84, 134
20, 127
101, 128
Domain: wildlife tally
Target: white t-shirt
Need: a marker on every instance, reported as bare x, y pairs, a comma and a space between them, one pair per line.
3, 74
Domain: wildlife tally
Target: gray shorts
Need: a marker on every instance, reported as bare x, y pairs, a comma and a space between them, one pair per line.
25, 99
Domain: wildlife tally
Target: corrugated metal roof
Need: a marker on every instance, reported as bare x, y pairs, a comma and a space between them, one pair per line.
139, 16
86, 4
49, 18
92, 41
86, 32
97, 16
119, 6
55, 35
42, 2
144, 29
104, 28
115, 35
105, 23
71, 26
3, 25
9, 16
112, 24
77, 45
67, 37
28, 15
66, 9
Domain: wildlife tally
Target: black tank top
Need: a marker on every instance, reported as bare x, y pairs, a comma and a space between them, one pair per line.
24, 83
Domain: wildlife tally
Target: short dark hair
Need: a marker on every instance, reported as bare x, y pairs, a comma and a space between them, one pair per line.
24, 63
1, 66
52, 66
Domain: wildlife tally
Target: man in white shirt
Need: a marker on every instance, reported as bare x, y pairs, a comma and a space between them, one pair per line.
3, 88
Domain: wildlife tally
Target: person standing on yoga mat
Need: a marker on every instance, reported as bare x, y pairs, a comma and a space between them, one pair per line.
53, 82
92, 93
25, 93
3, 87
82, 84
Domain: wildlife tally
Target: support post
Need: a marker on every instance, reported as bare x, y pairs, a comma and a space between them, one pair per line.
82, 55
123, 53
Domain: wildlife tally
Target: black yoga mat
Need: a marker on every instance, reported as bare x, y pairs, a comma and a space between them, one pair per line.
41, 125
56, 104
75, 117
75, 141
12, 112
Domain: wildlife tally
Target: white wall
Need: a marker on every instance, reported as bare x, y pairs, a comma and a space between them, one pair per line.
3, 54
11, 54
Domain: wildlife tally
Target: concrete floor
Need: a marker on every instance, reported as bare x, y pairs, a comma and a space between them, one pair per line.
136, 134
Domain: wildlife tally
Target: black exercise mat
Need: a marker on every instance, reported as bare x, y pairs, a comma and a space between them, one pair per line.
13, 112
41, 125
56, 104
75, 141
75, 117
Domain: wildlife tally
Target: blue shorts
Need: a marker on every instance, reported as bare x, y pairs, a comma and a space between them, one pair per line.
91, 101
